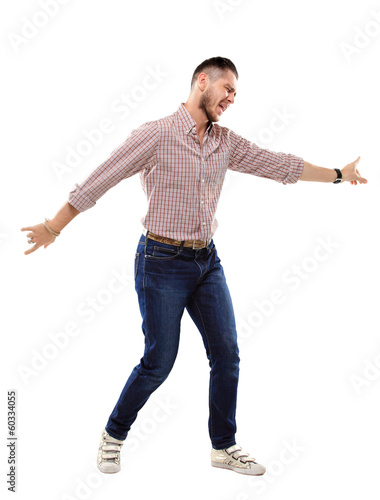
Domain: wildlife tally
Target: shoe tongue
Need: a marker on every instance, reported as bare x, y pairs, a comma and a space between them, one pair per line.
111, 439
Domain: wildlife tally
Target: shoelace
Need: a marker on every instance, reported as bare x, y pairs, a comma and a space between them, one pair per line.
236, 452
110, 451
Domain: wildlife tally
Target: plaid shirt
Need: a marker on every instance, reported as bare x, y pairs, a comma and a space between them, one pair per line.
182, 180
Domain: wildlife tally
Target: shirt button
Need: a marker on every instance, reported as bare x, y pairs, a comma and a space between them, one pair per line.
202, 202
203, 223
202, 180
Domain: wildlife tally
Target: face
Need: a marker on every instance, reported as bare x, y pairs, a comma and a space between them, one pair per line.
218, 96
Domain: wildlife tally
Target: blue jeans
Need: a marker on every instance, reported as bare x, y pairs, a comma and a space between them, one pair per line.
169, 279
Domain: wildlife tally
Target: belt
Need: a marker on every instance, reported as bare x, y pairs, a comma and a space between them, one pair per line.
194, 244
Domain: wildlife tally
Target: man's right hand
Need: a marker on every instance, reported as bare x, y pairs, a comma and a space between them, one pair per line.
39, 235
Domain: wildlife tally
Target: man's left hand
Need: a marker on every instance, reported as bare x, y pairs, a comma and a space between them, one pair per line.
351, 173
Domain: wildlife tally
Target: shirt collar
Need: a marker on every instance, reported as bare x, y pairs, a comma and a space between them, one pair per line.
189, 124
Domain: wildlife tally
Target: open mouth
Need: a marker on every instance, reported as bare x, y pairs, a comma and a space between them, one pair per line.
222, 108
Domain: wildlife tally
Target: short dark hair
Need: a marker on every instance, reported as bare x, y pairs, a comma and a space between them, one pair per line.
215, 65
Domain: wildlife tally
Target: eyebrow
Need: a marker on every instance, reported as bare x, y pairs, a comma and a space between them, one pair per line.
231, 87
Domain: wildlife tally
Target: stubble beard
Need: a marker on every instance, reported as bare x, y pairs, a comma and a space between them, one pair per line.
205, 104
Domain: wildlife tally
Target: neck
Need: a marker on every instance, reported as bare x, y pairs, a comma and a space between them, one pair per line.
198, 115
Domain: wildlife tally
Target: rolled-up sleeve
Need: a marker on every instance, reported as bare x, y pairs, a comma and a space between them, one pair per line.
247, 157
137, 152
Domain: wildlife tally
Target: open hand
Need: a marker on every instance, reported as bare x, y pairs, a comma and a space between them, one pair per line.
351, 173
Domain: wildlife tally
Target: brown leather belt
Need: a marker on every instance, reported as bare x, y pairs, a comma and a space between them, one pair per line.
194, 244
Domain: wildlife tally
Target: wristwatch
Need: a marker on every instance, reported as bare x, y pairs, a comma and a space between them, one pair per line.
338, 176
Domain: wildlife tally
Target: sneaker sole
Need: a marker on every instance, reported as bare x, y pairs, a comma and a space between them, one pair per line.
257, 471
108, 471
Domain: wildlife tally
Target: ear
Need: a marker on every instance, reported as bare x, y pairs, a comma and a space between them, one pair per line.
202, 81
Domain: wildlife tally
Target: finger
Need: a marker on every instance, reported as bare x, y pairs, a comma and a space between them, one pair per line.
356, 161
29, 228
360, 179
34, 240
33, 249
29, 235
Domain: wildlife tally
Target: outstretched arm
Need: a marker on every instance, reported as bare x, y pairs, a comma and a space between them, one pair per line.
320, 174
136, 152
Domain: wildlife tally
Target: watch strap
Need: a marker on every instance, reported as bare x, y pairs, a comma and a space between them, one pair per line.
338, 176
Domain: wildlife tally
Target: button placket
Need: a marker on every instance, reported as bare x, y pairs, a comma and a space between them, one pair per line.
202, 207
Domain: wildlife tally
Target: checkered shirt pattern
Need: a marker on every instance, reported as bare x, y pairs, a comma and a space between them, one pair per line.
181, 178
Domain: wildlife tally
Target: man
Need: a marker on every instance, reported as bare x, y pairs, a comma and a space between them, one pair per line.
182, 160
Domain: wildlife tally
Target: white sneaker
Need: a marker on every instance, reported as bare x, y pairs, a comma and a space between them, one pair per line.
235, 459
109, 453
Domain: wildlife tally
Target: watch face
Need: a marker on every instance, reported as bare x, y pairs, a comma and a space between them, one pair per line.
338, 176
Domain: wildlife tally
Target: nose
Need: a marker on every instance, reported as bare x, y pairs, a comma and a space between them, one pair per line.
230, 98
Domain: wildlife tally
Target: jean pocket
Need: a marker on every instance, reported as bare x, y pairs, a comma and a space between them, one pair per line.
137, 259
158, 252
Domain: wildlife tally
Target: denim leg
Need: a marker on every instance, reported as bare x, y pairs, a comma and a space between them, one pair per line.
161, 307
210, 307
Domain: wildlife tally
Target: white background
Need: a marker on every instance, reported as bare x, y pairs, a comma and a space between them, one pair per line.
301, 360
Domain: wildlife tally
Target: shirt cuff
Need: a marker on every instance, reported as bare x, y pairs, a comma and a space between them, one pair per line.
79, 200
295, 170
